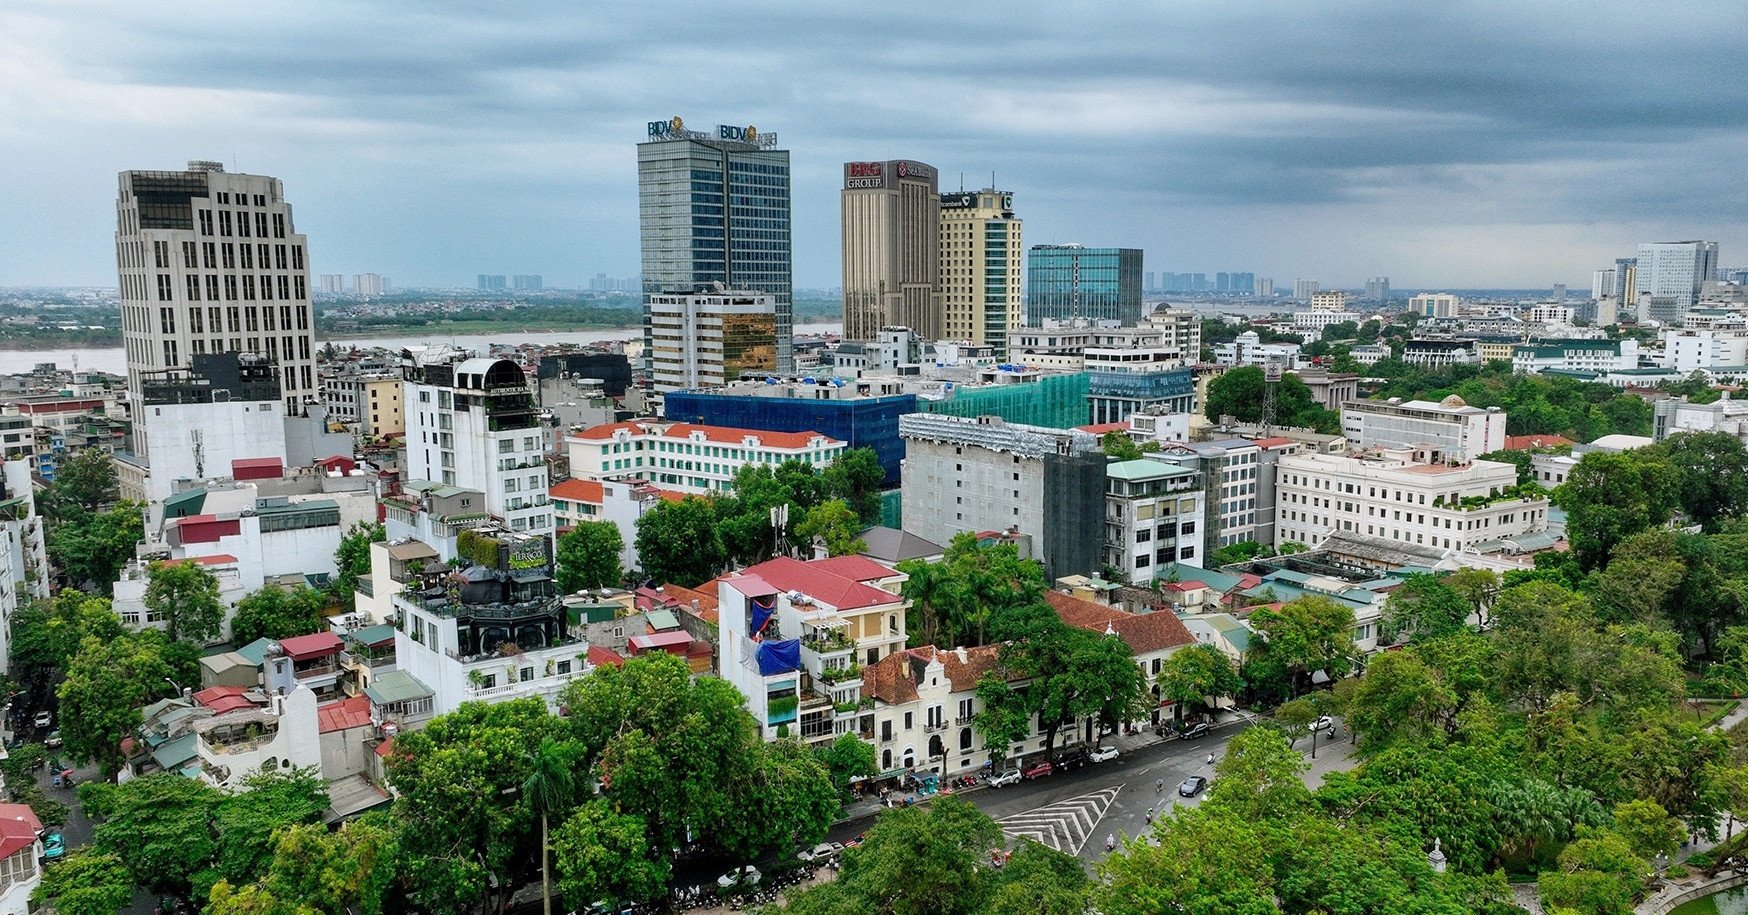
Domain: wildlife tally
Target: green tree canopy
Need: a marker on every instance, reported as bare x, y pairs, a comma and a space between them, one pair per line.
678, 542
588, 557
86, 883
92, 549
185, 595
107, 683
276, 613
352, 560
835, 524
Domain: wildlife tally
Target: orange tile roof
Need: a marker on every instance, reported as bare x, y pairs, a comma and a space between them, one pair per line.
893, 679
578, 491
1144, 633
707, 603
721, 435
1274, 442
1526, 442
1102, 428
599, 657
821, 583
343, 715
858, 568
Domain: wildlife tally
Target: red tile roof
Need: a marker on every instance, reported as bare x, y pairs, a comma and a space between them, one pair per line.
1526, 442
343, 715
1102, 428
261, 468
1273, 442
721, 435
216, 559
18, 828
578, 491
223, 699
314, 645
821, 584
1144, 633
857, 568
683, 596
1191, 585
604, 657
893, 679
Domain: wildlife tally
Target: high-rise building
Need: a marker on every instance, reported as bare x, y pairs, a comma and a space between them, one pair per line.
210, 262
1064, 282
368, 284
981, 241
1263, 287
492, 282
333, 283
1152, 282
1602, 283
714, 208
1675, 270
478, 429
1377, 289
1243, 283
892, 249
527, 282
706, 339
1304, 289
1559, 294
1434, 305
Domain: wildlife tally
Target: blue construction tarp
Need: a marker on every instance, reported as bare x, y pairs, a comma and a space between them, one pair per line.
763, 609
779, 657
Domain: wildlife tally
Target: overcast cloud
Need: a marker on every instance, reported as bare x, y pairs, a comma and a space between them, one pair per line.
1453, 144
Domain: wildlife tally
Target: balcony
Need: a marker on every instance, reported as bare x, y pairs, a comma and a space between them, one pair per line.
935, 728
354, 660
313, 671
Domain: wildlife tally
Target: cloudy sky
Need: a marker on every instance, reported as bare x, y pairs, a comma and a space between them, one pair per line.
1460, 144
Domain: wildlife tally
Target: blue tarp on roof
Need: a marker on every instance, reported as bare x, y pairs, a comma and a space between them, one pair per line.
779, 657
762, 612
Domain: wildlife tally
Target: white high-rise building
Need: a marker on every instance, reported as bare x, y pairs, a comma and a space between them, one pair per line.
708, 338
472, 422
210, 262
1674, 270
1304, 289
24, 565
333, 284
367, 284
1434, 305
1602, 283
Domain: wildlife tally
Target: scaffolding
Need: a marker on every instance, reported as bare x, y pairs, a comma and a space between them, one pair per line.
1053, 401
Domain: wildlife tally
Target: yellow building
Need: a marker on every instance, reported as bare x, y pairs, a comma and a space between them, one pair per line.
981, 253
381, 415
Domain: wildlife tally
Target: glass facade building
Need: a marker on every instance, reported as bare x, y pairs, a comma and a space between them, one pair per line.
1068, 281
863, 422
1053, 401
715, 210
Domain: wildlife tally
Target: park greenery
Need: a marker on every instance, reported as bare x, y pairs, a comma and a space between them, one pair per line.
588, 557
690, 541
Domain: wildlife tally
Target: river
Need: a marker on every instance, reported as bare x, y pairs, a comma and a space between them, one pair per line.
1729, 902
112, 360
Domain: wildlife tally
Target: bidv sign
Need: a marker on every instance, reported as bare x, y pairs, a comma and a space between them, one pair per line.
675, 129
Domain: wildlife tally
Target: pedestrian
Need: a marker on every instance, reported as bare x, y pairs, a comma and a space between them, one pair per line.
1210, 759
1159, 787
1110, 842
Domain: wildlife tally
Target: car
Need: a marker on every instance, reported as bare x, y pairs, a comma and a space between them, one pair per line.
1038, 770
1193, 731
1192, 786
44, 719
53, 741
1323, 723
53, 846
1004, 778
745, 875
1103, 754
1073, 759
824, 851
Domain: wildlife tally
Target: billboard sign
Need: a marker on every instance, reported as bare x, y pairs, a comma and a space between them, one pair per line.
863, 175
963, 200
674, 128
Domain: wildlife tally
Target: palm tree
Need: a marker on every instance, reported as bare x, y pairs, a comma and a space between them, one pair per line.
925, 588
548, 788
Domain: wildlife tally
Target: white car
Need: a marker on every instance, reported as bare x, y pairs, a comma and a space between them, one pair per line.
1324, 723
44, 719
745, 875
1103, 754
1004, 777
824, 851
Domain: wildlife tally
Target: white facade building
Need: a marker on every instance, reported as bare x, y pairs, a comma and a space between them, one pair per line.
1576, 356
210, 262
708, 338
1675, 270
1153, 517
1248, 349
1387, 495
1434, 305
1450, 429
472, 422
24, 564
690, 458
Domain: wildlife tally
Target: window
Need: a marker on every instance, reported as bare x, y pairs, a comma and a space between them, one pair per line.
909, 721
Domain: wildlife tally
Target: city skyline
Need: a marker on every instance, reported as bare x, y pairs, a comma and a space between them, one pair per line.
1292, 144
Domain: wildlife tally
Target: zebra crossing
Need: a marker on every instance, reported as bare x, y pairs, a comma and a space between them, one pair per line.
1064, 825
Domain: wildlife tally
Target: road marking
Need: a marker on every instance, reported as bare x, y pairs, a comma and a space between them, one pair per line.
1065, 825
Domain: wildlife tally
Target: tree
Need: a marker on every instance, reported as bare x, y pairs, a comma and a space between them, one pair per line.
275, 613
1610, 497
588, 557
93, 549
85, 483
1598, 873
161, 825
86, 883
1119, 446
834, 524
550, 789
352, 560
1038, 880
185, 595
247, 821
1399, 697
1197, 674
1478, 587
1201, 861
678, 542
1647, 828
602, 854
46, 635
1305, 636
1003, 716
848, 759
856, 477
914, 861
1239, 393
1713, 467
1424, 607
1525, 464
106, 684
314, 871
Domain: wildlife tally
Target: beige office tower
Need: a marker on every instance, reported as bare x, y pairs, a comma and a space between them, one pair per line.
981, 256
892, 249
209, 262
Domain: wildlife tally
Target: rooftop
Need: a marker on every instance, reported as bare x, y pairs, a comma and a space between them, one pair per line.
1146, 469
18, 828
1142, 632
721, 435
343, 715
826, 584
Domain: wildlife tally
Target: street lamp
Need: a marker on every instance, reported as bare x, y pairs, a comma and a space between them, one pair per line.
174, 685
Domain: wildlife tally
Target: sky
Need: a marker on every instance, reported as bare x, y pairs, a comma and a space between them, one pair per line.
1452, 144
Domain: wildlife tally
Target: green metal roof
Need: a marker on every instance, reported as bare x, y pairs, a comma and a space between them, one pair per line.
1145, 469
185, 503
393, 686
1219, 581
662, 620
256, 652
371, 635
174, 753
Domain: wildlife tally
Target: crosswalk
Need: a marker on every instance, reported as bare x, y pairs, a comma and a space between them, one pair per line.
1065, 825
